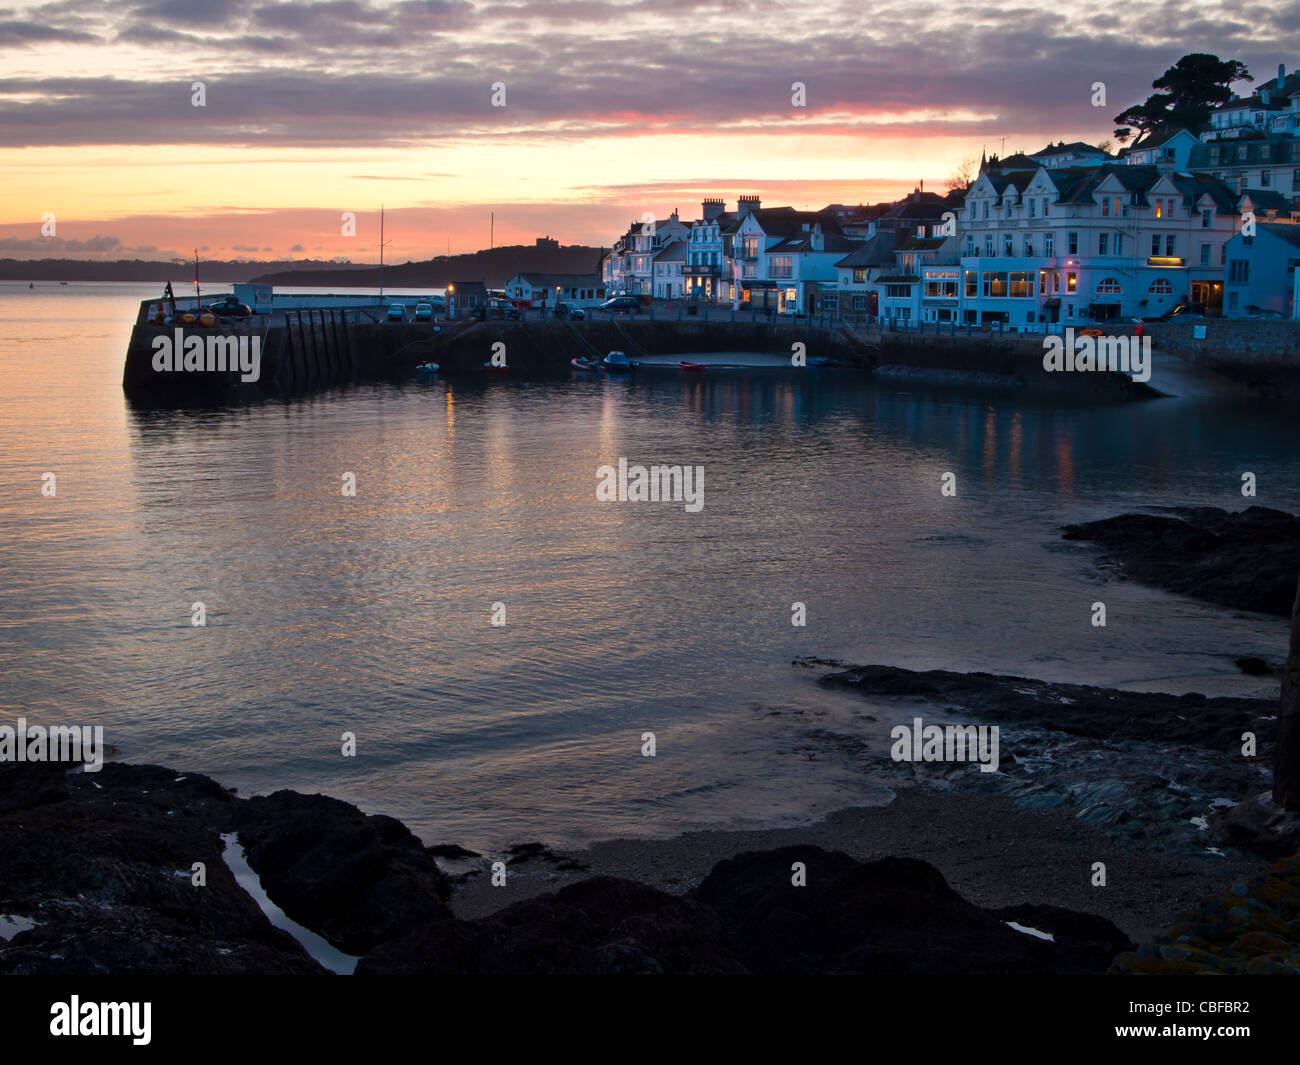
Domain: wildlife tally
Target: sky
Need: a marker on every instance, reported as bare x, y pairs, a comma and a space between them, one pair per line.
612, 108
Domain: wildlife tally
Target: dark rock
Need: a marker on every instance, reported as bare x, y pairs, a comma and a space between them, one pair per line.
1258, 825
354, 879
1253, 667
102, 863
598, 926
1075, 709
894, 916
526, 852
1244, 559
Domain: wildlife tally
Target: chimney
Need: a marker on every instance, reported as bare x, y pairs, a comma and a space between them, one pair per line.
1281, 76
711, 209
818, 242
746, 204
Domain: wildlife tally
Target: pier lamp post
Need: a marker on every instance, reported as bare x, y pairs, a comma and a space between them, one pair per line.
451, 301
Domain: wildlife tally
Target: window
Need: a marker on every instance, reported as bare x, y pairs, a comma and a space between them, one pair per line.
1119, 243
988, 247
972, 284
986, 210
1265, 178
1207, 216
1239, 272
1049, 244
750, 248
1105, 207
1072, 239
1205, 255
780, 266
859, 303
941, 290
1155, 243
1108, 287
1071, 282
1171, 245
859, 275
1022, 285
1102, 241
1295, 180
898, 292
995, 285
1160, 208
1029, 247
1009, 246
1160, 287
1032, 212
1223, 254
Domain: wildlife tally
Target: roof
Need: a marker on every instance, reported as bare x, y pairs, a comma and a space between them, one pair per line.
1073, 148
1155, 140
787, 222
557, 280
802, 244
1268, 199
920, 244
1283, 149
1286, 231
670, 252
898, 279
878, 251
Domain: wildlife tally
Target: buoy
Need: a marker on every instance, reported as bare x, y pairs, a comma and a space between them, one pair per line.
208, 321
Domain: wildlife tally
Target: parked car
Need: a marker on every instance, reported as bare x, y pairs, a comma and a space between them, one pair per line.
563, 310
629, 304
577, 314
1182, 312
230, 308
424, 312
396, 312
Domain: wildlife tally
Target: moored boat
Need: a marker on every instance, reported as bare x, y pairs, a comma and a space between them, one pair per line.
618, 362
692, 367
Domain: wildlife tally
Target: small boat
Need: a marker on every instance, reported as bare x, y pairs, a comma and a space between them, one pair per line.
585, 365
817, 360
692, 367
617, 362
492, 367
31, 284
427, 368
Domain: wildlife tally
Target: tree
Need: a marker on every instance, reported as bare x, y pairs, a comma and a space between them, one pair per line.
1286, 748
964, 174
1188, 92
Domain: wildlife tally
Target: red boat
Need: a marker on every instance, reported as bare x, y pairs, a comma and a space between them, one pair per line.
692, 367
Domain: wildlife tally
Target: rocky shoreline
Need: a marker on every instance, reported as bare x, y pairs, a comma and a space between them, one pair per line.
99, 872
1246, 560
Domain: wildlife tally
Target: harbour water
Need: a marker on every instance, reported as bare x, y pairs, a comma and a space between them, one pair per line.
372, 614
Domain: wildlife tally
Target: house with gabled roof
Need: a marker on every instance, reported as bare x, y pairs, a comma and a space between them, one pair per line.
784, 260
1169, 149
1079, 244
1262, 270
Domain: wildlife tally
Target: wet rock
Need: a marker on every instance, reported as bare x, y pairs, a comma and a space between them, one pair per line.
451, 851
1253, 667
355, 879
102, 863
1258, 825
1075, 709
1245, 559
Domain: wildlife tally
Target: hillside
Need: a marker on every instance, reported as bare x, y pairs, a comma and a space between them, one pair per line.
496, 266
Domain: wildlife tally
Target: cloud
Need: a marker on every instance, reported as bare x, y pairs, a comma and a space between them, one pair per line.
354, 72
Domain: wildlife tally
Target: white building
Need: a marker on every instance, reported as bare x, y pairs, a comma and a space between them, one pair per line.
539, 290
1086, 244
